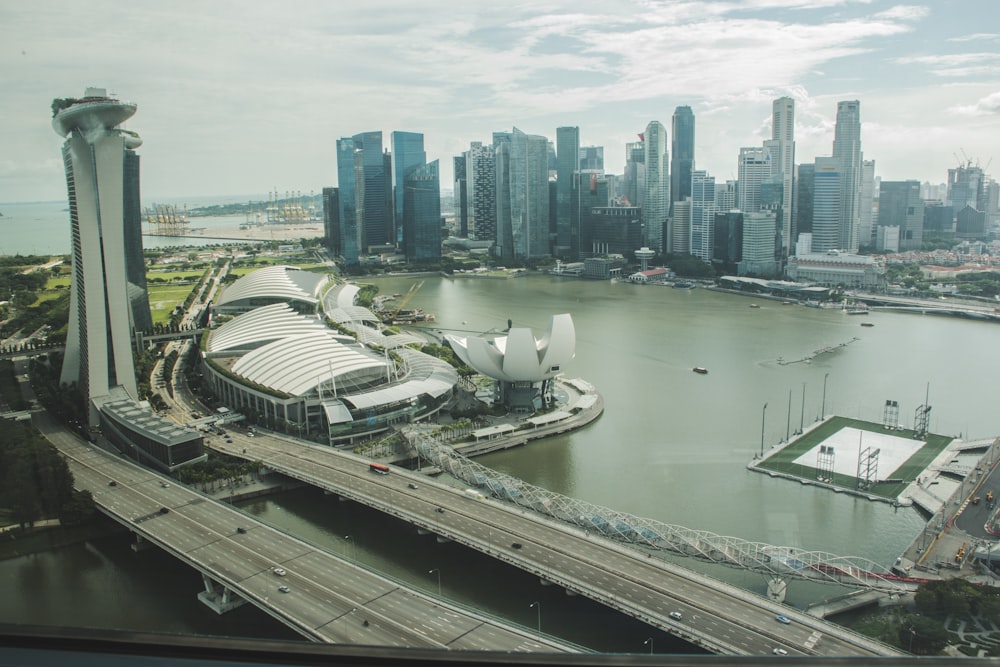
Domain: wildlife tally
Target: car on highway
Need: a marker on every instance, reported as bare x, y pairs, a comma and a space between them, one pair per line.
411, 485
241, 530
279, 571
779, 651
781, 618
283, 588
112, 483
515, 545
676, 615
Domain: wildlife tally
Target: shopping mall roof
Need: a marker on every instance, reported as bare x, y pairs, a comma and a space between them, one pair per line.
260, 326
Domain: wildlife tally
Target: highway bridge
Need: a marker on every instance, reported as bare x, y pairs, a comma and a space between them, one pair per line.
721, 618
318, 594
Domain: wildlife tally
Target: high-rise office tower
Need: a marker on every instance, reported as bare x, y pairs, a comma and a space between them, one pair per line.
965, 187
480, 182
680, 230
782, 151
802, 205
331, 219
350, 233
592, 158
422, 213
634, 175
900, 205
754, 166
759, 231
407, 153
523, 195
866, 203
106, 299
847, 151
373, 192
702, 215
656, 196
827, 201
681, 153
461, 194
567, 165
727, 248
725, 196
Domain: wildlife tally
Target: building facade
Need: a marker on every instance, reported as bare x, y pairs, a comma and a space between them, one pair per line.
656, 191
422, 213
567, 165
900, 206
102, 180
681, 153
702, 219
847, 153
407, 153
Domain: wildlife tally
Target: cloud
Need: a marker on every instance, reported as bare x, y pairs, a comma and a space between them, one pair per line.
957, 64
987, 106
903, 13
987, 36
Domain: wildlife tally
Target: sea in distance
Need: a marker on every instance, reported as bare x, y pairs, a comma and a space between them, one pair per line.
672, 445
42, 228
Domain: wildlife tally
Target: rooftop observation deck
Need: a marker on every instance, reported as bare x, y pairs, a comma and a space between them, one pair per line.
91, 113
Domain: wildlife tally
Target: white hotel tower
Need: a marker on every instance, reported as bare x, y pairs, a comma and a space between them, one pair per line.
102, 181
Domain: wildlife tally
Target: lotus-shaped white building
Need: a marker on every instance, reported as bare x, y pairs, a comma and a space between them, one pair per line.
523, 365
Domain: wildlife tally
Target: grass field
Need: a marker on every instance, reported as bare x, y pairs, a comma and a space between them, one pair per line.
783, 461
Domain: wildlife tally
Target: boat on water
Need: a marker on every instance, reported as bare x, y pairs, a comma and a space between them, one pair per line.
683, 285
867, 324
701, 370
754, 305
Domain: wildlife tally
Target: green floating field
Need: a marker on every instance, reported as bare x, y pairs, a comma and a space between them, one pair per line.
783, 461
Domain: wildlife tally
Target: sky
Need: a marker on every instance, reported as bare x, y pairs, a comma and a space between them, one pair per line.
249, 97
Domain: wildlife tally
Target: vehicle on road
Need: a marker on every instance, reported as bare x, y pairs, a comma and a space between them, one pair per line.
241, 530
515, 545
112, 483
284, 589
279, 571
440, 510
380, 468
411, 485
781, 618
779, 651
472, 493
676, 615
164, 510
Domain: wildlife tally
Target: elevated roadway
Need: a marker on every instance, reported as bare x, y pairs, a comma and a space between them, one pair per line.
320, 595
716, 616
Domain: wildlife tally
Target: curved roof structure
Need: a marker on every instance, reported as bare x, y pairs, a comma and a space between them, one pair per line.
297, 365
518, 356
260, 326
272, 284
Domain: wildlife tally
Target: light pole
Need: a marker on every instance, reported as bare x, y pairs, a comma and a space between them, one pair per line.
822, 413
439, 578
354, 547
788, 419
802, 415
763, 413
538, 607
344, 616
650, 642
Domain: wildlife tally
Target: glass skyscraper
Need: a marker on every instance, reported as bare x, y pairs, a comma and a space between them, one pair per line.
422, 213
681, 153
567, 165
407, 153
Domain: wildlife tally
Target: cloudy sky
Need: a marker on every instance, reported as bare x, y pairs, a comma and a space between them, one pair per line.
245, 97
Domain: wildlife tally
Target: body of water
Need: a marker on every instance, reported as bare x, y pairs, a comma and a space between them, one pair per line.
672, 445
42, 228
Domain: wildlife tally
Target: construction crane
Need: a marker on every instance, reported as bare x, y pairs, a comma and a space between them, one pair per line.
401, 315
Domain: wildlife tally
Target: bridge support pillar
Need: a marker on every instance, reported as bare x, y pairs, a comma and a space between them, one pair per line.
140, 544
776, 589
219, 598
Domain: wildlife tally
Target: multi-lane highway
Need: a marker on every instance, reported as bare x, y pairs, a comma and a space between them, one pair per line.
319, 594
714, 615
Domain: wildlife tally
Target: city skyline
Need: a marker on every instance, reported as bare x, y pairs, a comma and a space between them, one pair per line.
254, 100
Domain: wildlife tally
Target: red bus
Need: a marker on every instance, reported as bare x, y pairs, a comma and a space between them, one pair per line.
380, 468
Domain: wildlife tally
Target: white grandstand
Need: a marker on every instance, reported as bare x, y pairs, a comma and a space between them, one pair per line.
281, 364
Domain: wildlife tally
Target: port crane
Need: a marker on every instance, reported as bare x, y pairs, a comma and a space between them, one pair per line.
402, 315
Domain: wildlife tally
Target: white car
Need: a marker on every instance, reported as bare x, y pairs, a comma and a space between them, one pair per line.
283, 589
779, 651
279, 571
676, 615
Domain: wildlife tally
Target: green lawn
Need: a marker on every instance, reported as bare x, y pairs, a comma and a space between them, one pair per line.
783, 461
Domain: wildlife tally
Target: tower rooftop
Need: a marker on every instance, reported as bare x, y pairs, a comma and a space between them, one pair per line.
93, 111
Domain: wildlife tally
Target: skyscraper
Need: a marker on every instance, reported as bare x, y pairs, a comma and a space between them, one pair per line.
461, 194
634, 176
373, 192
567, 165
702, 215
422, 213
350, 233
782, 150
481, 185
754, 166
826, 205
900, 206
522, 195
656, 198
847, 152
407, 153
681, 153
102, 179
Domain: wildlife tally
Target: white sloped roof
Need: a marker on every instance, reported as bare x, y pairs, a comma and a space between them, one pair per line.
297, 364
285, 283
518, 356
428, 375
262, 325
